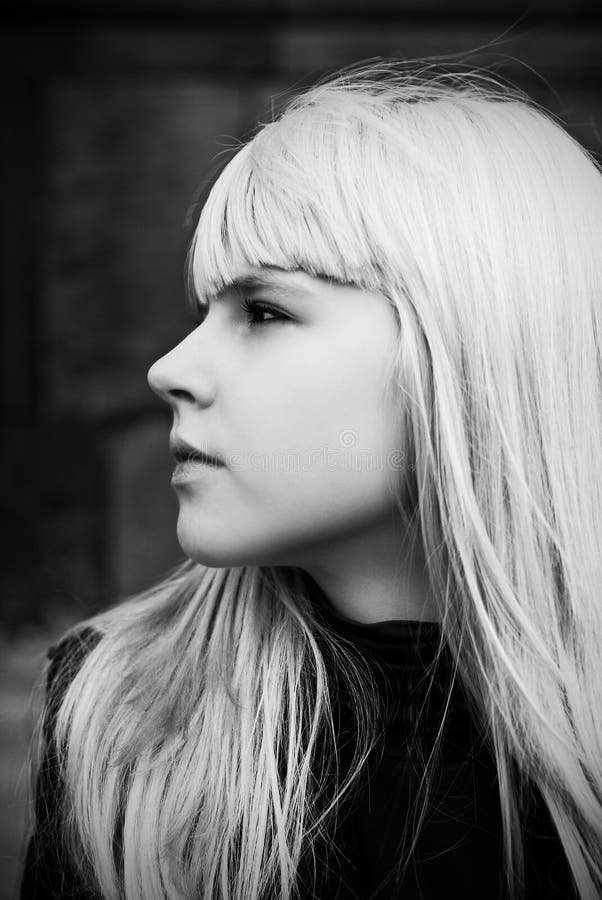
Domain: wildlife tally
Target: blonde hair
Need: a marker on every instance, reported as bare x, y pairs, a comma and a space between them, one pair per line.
480, 219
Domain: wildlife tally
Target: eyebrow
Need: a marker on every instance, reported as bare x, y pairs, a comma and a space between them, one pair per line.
267, 280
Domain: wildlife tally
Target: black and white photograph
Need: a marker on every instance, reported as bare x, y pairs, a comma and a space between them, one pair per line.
302, 484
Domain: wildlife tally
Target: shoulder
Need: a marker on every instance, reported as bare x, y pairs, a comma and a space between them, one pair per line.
47, 869
73, 647
64, 660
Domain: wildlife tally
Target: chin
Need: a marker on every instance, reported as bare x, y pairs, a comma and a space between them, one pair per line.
227, 553
212, 552
207, 554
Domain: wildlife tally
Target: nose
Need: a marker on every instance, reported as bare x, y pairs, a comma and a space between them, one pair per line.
158, 378
176, 377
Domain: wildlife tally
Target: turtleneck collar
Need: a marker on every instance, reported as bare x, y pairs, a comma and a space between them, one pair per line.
395, 642
402, 655
391, 641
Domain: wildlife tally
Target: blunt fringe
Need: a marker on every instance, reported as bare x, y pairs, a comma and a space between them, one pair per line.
479, 218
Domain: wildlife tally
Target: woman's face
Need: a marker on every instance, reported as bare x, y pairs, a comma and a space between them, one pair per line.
295, 407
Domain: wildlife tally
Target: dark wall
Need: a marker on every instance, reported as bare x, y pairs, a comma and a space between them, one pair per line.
112, 115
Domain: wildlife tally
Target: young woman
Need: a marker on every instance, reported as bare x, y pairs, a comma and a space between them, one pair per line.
377, 673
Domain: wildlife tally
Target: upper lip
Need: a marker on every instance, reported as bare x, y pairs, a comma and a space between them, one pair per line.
182, 451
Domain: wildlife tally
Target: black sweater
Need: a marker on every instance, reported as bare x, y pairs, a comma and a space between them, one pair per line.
459, 850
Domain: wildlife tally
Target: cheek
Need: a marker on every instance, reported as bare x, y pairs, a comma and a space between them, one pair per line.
337, 491
331, 398
324, 442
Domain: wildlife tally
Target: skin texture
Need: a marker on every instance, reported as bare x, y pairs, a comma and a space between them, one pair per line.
295, 408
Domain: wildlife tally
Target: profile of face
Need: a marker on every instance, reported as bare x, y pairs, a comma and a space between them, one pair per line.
285, 383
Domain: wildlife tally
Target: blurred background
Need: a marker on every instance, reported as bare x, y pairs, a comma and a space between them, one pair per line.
113, 113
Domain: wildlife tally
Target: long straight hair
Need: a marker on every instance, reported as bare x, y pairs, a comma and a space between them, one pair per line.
475, 213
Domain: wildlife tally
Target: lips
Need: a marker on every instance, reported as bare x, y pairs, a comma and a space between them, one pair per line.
184, 452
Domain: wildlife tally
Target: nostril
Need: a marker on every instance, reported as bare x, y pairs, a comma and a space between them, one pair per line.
180, 394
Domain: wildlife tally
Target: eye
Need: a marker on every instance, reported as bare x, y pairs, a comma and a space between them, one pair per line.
253, 309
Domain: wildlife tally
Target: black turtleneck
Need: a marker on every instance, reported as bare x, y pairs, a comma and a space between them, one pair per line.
458, 853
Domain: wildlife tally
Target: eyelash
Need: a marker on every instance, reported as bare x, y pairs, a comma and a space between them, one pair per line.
252, 307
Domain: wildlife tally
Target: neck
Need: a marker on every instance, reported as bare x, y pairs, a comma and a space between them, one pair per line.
375, 577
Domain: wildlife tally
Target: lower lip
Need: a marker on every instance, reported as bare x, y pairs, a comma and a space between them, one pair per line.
190, 470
